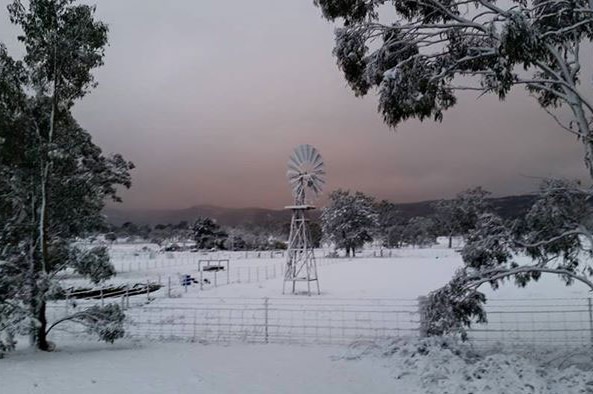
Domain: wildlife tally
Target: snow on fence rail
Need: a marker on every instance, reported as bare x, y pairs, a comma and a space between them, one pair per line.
276, 320
516, 322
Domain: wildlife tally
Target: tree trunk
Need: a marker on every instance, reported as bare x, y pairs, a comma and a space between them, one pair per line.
41, 333
450, 241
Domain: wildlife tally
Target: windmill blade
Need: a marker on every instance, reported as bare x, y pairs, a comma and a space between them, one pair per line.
294, 161
310, 152
300, 156
306, 170
317, 161
292, 172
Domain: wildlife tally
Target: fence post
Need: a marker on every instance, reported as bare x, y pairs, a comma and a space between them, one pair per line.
127, 296
228, 273
215, 276
257, 274
147, 290
590, 318
195, 321
266, 310
201, 278
422, 326
169, 287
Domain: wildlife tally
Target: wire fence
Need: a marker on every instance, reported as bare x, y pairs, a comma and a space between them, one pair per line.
517, 322
199, 275
566, 321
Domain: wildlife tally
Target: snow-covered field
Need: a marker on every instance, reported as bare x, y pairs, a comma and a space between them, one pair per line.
367, 309
361, 298
403, 366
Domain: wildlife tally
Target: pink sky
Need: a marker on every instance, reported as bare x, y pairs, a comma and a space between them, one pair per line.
210, 98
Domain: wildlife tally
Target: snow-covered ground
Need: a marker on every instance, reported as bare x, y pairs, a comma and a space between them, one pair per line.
403, 366
361, 298
367, 306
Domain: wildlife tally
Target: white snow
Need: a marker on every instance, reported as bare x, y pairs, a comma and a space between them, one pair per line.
403, 366
191, 368
375, 366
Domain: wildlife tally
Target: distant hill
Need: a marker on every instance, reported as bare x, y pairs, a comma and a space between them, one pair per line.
224, 216
507, 207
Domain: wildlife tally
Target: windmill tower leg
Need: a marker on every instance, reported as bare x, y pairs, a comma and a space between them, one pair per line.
300, 261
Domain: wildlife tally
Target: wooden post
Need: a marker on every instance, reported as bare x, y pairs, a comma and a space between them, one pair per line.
169, 287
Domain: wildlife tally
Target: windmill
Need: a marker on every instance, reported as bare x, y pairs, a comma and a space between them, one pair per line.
306, 175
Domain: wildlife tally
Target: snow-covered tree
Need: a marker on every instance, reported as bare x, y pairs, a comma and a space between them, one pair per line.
459, 215
555, 233
349, 220
445, 218
419, 54
208, 234
419, 231
388, 217
54, 178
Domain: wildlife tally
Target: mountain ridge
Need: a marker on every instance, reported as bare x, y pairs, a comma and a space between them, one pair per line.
507, 207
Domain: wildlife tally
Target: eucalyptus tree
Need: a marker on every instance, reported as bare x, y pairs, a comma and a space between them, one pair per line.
420, 59
460, 215
55, 179
349, 220
556, 233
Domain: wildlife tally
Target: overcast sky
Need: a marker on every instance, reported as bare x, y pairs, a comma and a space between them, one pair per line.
208, 98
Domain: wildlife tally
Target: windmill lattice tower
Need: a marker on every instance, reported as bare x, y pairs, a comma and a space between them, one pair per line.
306, 172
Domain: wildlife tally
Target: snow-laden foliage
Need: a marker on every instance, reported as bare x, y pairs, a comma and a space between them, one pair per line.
53, 178
92, 263
420, 232
459, 215
445, 365
349, 220
418, 54
388, 218
208, 234
555, 233
106, 322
